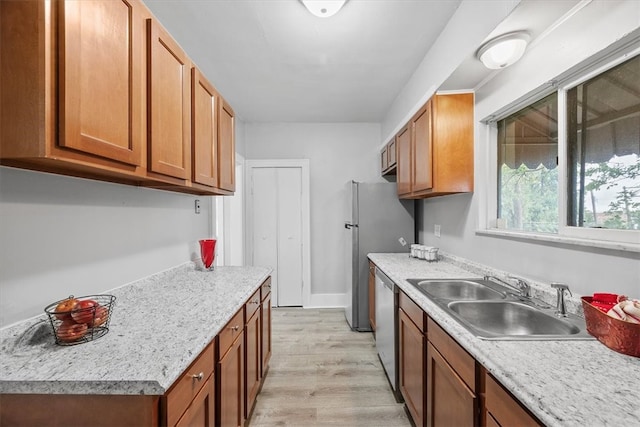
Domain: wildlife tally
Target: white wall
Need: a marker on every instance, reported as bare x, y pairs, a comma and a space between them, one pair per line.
586, 270
337, 153
62, 236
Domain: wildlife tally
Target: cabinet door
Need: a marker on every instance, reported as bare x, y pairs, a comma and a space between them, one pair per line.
226, 147
384, 159
449, 400
185, 389
502, 409
411, 375
169, 106
100, 89
230, 371
201, 412
422, 149
252, 360
204, 130
372, 295
403, 168
391, 154
265, 337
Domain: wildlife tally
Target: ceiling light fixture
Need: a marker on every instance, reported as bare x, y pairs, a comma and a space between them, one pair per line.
323, 8
503, 50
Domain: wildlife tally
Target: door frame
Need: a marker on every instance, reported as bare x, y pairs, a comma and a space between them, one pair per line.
303, 164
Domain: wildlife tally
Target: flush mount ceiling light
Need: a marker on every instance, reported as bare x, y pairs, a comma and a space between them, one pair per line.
503, 50
323, 8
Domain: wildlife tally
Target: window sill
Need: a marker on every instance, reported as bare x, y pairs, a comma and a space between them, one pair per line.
563, 240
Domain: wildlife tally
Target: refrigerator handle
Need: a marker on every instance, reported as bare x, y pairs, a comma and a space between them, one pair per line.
348, 225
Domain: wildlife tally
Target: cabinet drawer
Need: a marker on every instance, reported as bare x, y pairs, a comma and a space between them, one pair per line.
230, 332
412, 310
185, 389
504, 408
252, 305
456, 356
265, 289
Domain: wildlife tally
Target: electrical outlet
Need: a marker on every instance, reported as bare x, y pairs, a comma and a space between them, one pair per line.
436, 230
197, 206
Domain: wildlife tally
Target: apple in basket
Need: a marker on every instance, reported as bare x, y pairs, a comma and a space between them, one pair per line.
84, 311
65, 307
102, 314
70, 331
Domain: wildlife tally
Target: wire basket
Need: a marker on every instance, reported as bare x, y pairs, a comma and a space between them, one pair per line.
618, 335
77, 320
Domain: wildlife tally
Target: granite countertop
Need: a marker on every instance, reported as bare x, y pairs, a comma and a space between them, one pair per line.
563, 383
159, 325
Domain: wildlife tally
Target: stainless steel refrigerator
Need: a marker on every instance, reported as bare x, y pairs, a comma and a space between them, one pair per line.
375, 221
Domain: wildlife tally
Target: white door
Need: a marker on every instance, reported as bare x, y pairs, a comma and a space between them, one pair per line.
276, 217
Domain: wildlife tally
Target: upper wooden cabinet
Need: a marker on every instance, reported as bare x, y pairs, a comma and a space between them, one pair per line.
204, 129
99, 90
388, 158
435, 150
168, 109
68, 106
226, 147
404, 165
422, 145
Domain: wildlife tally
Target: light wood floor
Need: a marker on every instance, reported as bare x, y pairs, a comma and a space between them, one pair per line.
322, 373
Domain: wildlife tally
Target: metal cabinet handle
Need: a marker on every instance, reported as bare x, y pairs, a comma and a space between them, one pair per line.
235, 328
198, 377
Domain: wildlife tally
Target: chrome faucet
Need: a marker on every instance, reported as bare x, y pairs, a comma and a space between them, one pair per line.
523, 288
561, 308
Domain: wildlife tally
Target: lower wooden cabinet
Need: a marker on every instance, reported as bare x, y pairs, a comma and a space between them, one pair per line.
449, 401
265, 337
201, 412
230, 370
218, 389
411, 357
66, 409
183, 395
442, 384
501, 409
253, 360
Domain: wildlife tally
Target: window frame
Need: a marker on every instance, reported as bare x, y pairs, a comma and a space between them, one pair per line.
626, 240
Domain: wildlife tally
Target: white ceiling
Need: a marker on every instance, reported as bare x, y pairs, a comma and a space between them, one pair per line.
275, 62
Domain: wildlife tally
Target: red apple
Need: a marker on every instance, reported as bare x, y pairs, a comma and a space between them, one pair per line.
84, 311
70, 331
102, 314
65, 307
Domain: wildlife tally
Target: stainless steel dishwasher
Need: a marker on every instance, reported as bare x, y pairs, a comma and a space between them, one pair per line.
386, 326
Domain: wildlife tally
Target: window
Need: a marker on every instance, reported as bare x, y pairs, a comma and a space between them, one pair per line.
596, 186
527, 172
603, 141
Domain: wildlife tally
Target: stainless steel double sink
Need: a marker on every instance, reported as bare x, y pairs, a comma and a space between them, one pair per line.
492, 311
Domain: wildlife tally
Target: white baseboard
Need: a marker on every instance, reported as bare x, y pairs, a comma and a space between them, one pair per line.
327, 300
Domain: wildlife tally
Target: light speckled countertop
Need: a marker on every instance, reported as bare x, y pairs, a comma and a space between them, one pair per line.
564, 383
159, 325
